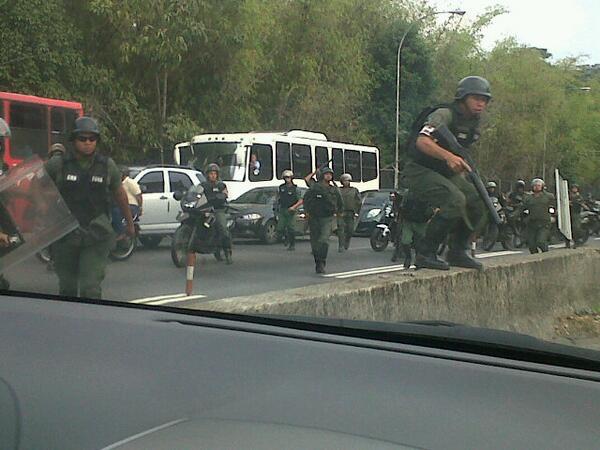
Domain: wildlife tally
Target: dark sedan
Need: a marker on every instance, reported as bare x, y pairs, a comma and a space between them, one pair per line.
371, 211
254, 216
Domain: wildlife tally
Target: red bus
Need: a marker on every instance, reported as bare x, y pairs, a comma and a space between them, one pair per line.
35, 124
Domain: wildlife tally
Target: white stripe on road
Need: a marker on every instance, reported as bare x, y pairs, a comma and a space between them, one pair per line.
557, 246
164, 299
597, 238
360, 271
494, 254
380, 271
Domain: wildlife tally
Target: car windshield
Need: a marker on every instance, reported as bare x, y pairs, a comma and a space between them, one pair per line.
314, 112
227, 155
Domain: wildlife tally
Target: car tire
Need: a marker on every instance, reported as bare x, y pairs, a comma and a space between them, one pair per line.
269, 232
151, 242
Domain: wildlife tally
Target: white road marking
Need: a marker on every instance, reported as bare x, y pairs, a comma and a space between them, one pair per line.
158, 297
164, 299
597, 238
557, 246
494, 254
360, 271
352, 275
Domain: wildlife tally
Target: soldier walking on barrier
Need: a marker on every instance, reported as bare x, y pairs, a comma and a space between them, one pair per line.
536, 207
321, 202
346, 219
436, 173
88, 181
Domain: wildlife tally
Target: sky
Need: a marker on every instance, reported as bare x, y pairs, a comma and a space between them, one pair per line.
566, 28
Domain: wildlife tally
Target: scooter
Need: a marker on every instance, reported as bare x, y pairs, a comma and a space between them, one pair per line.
197, 232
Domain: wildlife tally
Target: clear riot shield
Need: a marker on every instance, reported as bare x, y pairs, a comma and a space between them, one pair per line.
32, 212
562, 206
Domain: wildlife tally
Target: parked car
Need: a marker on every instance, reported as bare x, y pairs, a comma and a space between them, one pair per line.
253, 215
160, 208
372, 211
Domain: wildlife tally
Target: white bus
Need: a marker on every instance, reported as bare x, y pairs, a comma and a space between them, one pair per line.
250, 160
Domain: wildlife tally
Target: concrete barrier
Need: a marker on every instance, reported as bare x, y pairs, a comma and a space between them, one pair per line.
523, 294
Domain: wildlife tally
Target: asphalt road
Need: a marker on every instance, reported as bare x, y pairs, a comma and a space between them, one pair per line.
150, 277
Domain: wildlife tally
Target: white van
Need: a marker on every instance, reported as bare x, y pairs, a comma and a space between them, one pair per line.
257, 159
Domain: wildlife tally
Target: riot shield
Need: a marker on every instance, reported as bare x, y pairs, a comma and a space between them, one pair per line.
32, 212
562, 206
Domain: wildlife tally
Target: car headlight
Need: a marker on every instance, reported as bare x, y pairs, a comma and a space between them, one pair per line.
252, 216
373, 213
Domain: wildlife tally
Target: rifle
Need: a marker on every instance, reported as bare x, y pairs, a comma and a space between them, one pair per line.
455, 147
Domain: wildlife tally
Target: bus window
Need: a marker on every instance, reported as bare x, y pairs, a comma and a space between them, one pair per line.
369, 166
352, 163
29, 133
301, 160
321, 156
261, 163
282, 155
337, 156
58, 128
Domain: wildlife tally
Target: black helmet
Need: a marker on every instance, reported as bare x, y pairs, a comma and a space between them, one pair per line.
473, 85
321, 172
520, 183
124, 171
212, 167
85, 124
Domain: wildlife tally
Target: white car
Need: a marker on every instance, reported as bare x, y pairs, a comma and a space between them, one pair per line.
158, 183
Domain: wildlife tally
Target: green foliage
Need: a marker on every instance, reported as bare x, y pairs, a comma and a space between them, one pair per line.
156, 72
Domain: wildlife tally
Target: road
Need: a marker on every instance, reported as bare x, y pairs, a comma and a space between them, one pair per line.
150, 277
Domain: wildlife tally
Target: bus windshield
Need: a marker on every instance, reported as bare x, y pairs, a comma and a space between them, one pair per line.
228, 155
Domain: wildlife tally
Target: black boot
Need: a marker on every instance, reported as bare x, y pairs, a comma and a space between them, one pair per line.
426, 250
228, 256
459, 254
407, 256
292, 241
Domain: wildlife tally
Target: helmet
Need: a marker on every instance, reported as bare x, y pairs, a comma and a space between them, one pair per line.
124, 170
321, 172
520, 183
575, 185
287, 173
57, 148
4, 128
212, 167
537, 181
346, 177
491, 184
86, 124
473, 85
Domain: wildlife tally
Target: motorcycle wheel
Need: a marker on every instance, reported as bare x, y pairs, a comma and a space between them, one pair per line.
490, 237
44, 255
179, 245
123, 249
379, 242
585, 235
508, 238
151, 242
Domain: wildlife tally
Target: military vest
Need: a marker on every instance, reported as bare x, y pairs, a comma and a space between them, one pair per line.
288, 195
320, 201
465, 130
85, 191
215, 194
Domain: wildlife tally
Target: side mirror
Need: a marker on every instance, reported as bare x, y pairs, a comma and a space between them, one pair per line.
178, 195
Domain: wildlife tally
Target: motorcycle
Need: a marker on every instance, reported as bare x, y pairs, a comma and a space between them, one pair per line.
125, 245
503, 233
386, 229
197, 231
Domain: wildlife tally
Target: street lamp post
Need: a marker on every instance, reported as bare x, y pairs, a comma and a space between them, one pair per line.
398, 82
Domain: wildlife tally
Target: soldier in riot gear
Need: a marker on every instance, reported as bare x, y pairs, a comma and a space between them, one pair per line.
287, 204
88, 181
536, 207
438, 177
577, 205
321, 202
216, 194
346, 218
515, 198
